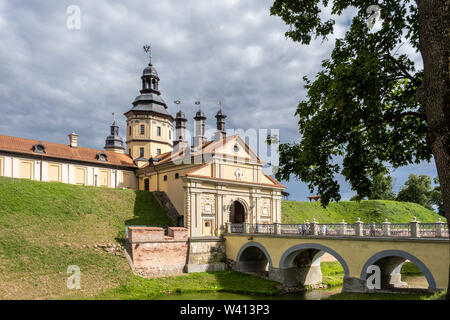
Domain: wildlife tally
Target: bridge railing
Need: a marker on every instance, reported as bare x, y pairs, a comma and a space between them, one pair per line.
261, 228
427, 230
400, 230
413, 229
373, 229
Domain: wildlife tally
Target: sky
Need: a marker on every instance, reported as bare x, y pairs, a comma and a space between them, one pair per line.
58, 76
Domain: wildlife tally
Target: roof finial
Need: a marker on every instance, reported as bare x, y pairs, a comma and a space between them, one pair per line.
148, 49
114, 117
178, 101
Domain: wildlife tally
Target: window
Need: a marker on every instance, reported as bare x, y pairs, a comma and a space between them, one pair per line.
102, 157
141, 150
95, 180
142, 129
177, 175
129, 152
129, 130
158, 151
170, 134
39, 148
158, 131
165, 178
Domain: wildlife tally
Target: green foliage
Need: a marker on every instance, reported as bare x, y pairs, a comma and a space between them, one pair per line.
368, 210
356, 198
381, 188
417, 189
436, 197
362, 106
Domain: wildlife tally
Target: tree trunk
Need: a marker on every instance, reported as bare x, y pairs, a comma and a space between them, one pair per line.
434, 94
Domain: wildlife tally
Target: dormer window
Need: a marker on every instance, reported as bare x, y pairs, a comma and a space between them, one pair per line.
102, 157
39, 148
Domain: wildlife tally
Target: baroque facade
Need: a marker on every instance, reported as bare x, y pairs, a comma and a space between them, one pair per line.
210, 183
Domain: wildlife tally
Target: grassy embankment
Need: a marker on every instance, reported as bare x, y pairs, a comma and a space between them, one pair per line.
367, 210
45, 227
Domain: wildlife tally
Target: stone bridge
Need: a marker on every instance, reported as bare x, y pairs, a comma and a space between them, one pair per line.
293, 258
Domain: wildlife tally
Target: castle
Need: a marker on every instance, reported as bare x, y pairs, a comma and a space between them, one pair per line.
208, 184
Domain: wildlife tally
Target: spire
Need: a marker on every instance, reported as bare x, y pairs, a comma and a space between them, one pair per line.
180, 129
150, 99
114, 142
220, 116
199, 137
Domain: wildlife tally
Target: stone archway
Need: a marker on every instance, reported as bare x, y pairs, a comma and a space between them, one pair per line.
390, 263
238, 211
253, 258
300, 264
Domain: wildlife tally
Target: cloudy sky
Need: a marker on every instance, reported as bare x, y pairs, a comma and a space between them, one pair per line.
55, 80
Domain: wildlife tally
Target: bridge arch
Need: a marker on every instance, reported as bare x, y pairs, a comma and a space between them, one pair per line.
287, 259
300, 264
253, 258
390, 263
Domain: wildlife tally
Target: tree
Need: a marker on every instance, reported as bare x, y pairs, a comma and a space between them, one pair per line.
356, 198
369, 105
417, 189
381, 188
436, 197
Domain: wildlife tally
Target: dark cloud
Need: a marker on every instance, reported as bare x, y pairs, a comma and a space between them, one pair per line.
55, 80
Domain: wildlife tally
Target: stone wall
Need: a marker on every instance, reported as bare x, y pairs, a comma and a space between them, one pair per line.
151, 254
206, 254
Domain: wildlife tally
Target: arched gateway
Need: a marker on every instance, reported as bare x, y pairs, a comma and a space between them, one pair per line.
237, 212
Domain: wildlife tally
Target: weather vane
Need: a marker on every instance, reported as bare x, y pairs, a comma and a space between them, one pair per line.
219, 103
114, 116
197, 102
148, 49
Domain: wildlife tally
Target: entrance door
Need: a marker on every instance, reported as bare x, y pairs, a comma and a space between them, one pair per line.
147, 185
238, 213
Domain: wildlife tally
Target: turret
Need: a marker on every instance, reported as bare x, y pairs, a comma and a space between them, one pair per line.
199, 131
114, 142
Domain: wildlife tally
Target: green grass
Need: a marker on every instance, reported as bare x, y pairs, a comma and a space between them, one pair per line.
44, 226
368, 210
229, 281
332, 273
410, 269
388, 296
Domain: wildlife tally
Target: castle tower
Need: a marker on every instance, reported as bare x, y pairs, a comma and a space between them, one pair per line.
149, 125
114, 142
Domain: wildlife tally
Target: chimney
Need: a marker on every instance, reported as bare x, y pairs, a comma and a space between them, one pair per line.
220, 133
73, 140
199, 137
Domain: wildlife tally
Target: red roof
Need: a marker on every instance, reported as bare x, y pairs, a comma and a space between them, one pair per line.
62, 151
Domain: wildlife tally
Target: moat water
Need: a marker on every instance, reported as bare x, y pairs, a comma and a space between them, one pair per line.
307, 295
319, 294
